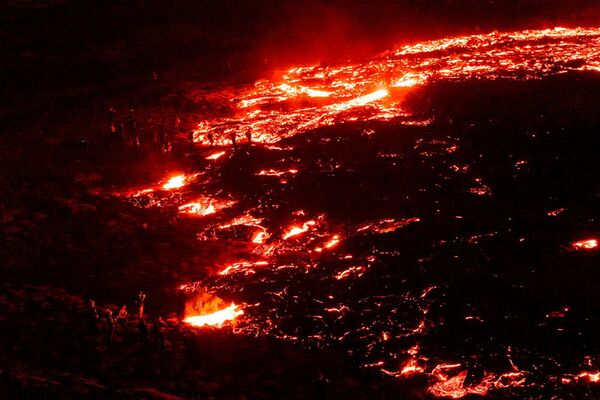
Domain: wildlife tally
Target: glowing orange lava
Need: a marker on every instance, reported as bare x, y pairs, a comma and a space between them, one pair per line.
272, 172
592, 377
217, 318
587, 244
358, 271
175, 182
215, 156
204, 206
295, 230
260, 237
205, 309
305, 98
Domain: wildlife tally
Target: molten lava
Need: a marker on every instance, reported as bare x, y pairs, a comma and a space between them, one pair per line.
306, 98
204, 206
588, 244
175, 182
215, 156
217, 318
592, 377
295, 230
206, 309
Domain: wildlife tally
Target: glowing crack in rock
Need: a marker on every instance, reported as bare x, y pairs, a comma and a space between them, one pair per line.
295, 230
215, 156
272, 172
334, 241
204, 206
244, 266
217, 318
455, 387
358, 271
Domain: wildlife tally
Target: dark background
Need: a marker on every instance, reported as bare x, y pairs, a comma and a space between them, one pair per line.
55, 44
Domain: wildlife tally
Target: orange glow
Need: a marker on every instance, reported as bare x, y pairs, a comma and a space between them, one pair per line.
411, 367
295, 230
247, 220
592, 377
206, 309
554, 213
175, 182
300, 90
244, 266
272, 172
260, 237
387, 225
310, 97
455, 389
217, 318
587, 244
408, 81
362, 100
197, 208
334, 241
215, 156
358, 271
204, 206
304, 99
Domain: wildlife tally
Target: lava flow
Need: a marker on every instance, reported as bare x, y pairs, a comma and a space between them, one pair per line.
251, 200
306, 98
205, 309
217, 318
588, 244
373, 267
